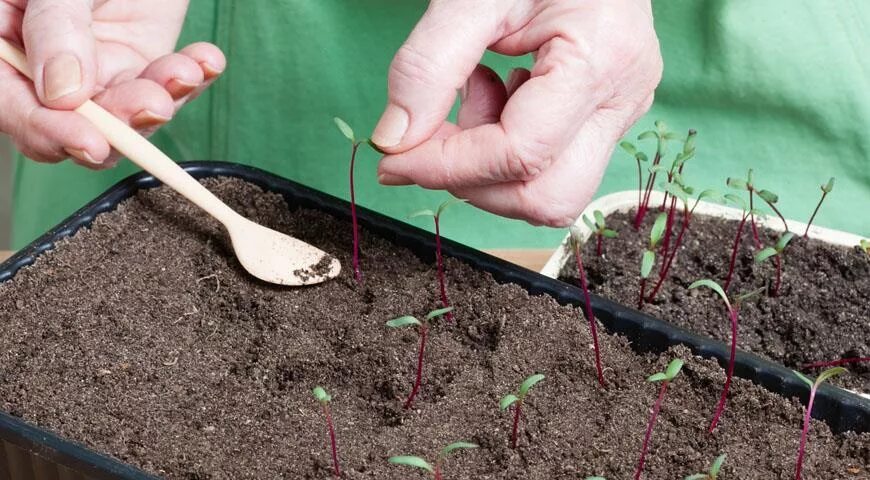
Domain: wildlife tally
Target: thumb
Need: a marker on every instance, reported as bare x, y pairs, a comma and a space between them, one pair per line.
439, 55
61, 51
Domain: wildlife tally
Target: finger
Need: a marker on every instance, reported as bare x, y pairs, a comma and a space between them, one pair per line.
439, 55
60, 51
385, 178
178, 74
10, 22
142, 103
516, 79
211, 61
483, 97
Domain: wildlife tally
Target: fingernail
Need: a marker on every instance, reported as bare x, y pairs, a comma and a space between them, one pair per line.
61, 76
146, 119
392, 127
179, 88
393, 180
82, 155
209, 70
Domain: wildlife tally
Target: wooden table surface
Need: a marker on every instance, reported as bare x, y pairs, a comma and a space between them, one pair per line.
533, 259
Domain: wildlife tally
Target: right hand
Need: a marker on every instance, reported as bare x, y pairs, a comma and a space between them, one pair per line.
117, 52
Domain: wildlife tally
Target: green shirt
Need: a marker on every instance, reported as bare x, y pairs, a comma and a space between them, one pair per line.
778, 86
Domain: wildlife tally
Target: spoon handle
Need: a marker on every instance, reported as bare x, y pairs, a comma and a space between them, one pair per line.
136, 147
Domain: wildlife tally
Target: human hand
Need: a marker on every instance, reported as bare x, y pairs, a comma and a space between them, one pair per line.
536, 147
117, 51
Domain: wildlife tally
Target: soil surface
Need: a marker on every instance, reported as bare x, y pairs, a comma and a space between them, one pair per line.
822, 312
142, 338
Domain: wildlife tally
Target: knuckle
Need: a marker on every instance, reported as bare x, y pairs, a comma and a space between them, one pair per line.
526, 160
543, 209
412, 65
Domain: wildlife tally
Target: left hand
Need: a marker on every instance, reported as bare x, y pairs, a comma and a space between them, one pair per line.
536, 147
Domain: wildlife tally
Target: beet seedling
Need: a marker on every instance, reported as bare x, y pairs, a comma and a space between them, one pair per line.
826, 189
436, 215
814, 386
517, 400
649, 255
662, 136
776, 251
590, 316
638, 157
355, 143
423, 330
740, 184
435, 470
666, 378
324, 399
711, 474
599, 229
747, 213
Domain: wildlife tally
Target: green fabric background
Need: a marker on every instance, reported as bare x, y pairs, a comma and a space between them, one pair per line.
781, 86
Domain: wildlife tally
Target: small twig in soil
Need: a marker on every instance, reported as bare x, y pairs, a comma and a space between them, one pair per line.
434, 470
814, 386
517, 400
216, 278
423, 330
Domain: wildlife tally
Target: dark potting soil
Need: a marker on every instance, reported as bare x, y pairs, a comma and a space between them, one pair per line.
822, 312
142, 338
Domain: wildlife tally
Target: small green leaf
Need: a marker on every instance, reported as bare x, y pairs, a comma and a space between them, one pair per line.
744, 296
439, 312
749, 181
599, 218
698, 476
804, 378
737, 183
689, 144
710, 193
608, 233
448, 203
345, 129
764, 254
641, 157
589, 223
671, 136
628, 147
405, 321
829, 373
456, 446
865, 244
768, 196
658, 228
674, 368
661, 126
712, 286
735, 200
646, 263
828, 186
529, 383
717, 466
657, 169
783, 241
321, 395
507, 401
647, 134
657, 377
422, 213
676, 191
409, 461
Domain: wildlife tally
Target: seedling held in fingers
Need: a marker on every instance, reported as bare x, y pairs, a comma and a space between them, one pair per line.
517, 400
649, 255
324, 399
732, 314
711, 474
665, 378
599, 229
814, 386
436, 215
776, 251
826, 189
423, 329
355, 143
434, 470
590, 316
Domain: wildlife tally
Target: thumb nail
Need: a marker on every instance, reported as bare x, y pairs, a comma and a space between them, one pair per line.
82, 155
392, 127
393, 180
61, 76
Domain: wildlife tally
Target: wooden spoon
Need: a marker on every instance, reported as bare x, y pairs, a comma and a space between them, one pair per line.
266, 254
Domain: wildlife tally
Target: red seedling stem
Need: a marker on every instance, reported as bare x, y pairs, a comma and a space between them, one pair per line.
778, 214
649, 430
732, 314
778, 275
663, 275
669, 225
813, 217
836, 363
641, 212
598, 243
804, 431
438, 472
516, 425
441, 279
734, 250
590, 316
332, 442
357, 273
424, 330
754, 228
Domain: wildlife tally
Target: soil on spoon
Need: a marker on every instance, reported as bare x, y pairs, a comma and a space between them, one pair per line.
143, 339
822, 312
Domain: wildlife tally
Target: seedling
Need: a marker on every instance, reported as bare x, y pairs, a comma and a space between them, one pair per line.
814, 386
590, 316
517, 400
649, 255
324, 399
747, 185
675, 177
436, 215
355, 143
732, 314
747, 213
865, 245
662, 136
665, 378
776, 251
639, 157
711, 474
599, 228
423, 330
435, 470
826, 189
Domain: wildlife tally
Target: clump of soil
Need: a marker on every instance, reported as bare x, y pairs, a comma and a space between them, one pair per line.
821, 314
142, 338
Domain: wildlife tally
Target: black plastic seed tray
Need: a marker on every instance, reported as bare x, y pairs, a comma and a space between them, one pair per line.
28, 452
